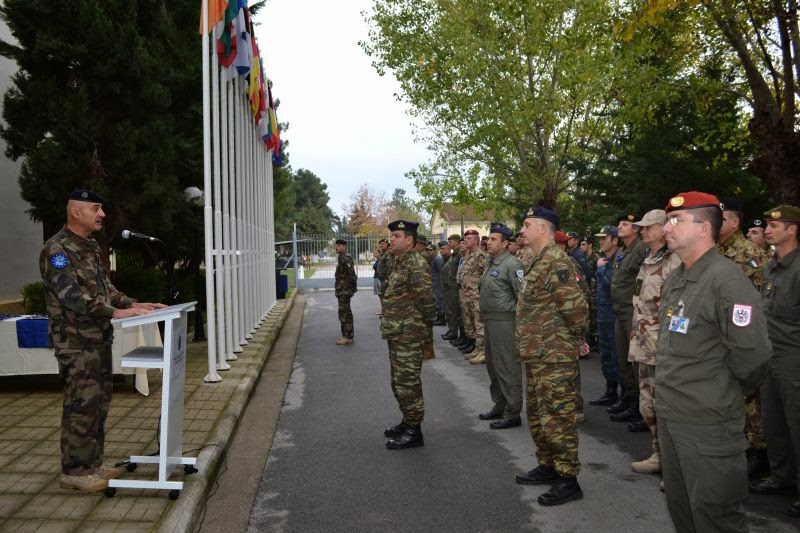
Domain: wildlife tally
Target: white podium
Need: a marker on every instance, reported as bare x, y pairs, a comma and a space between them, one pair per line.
171, 360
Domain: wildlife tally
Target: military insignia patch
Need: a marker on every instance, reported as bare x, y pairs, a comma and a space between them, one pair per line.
520, 273
59, 260
753, 263
563, 275
742, 315
775, 214
494, 273
676, 201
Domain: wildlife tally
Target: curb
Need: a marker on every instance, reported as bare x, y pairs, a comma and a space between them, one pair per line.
183, 516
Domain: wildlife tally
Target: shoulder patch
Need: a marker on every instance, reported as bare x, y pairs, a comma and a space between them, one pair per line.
742, 314
563, 275
59, 260
520, 273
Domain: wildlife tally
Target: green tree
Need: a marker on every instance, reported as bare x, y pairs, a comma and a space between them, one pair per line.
311, 211
510, 91
106, 97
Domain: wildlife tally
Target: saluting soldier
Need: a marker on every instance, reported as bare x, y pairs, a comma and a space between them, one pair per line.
345, 288
752, 259
712, 344
780, 394
499, 287
551, 318
408, 311
81, 301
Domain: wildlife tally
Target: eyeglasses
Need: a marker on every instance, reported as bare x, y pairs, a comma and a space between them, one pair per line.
677, 220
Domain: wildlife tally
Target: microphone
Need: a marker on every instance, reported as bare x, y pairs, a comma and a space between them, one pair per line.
127, 234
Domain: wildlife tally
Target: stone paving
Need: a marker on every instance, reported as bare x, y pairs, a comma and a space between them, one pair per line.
30, 496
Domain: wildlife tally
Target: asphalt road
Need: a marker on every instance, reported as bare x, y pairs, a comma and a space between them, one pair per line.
329, 470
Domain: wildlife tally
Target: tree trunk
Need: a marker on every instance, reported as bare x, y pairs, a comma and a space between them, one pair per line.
776, 159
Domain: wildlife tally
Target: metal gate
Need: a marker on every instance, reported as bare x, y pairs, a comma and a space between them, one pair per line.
312, 258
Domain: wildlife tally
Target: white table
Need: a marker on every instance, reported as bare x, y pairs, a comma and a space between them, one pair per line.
15, 361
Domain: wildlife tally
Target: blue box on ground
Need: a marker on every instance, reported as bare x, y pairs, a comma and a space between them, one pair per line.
32, 333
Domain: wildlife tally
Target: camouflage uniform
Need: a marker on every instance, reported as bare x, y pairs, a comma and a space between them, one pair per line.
752, 259
408, 310
525, 256
551, 317
469, 276
80, 304
346, 286
644, 332
452, 308
592, 333
385, 265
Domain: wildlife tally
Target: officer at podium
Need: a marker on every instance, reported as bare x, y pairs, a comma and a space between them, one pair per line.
81, 301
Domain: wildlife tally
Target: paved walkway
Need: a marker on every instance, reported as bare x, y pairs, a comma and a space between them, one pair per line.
30, 496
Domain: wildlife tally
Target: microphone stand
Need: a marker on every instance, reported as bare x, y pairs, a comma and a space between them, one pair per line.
171, 292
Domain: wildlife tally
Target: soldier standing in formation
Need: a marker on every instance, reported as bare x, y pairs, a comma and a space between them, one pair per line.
452, 307
712, 344
346, 286
437, 262
551, 318
382, 269
658, 263
473, 263
752, 260
499, 287
755, 234
780, 394
408, 309
81, 301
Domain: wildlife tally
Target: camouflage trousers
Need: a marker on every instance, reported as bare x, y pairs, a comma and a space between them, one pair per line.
647, 399
753, 425
452, 310
551, 404
87, 379
405, 367
471, 317
346, 316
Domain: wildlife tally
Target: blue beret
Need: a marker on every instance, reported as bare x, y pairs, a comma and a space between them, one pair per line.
544, 213
404, 225
502, 229
82, 195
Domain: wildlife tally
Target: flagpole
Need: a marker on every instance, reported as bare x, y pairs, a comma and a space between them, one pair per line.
212, 376
234, 129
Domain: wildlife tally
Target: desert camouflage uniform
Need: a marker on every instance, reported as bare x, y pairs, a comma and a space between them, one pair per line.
346, 285
752, 259
408, 308
525, 256
644, 331
80, 303
551, 318
469, 276
452, 308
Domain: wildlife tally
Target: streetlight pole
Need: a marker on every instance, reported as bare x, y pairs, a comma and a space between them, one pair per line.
194, 196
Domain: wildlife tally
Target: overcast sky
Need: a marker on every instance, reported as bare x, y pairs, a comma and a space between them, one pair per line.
344, 123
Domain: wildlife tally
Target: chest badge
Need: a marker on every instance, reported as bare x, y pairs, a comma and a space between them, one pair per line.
59, 260
494, 273
742, 314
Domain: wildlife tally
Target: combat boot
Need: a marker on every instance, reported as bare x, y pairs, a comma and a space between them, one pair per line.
651, 465
87, 483
344, 340
757, 463
631, 414
460, 341
394, 431
622, 403
479, 359
410, 438
609, 398
563, 490
108, 472
469, 348
541, 475
439, 321
449, 336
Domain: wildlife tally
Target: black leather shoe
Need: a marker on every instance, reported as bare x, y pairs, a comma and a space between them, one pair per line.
439, 323
622, 404
638, 426
609, 398
410, 438
395, 430
541, 475
771, 486
459, 341
631, 414
505, 423
469, 348
448, 336
492, 414
757, 463
564, 489
794, 510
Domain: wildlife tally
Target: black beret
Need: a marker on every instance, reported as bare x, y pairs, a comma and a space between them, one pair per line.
731, 204
82, 195
544, 213
627, 217
502, 229
757, 223
404, 225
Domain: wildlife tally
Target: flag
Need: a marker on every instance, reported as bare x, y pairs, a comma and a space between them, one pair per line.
244, 52
227, 41
216, 8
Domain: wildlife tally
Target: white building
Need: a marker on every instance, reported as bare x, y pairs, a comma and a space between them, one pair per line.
21, 238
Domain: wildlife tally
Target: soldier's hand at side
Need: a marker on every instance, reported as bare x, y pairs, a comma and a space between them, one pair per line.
601, 262
147, 305
131, 311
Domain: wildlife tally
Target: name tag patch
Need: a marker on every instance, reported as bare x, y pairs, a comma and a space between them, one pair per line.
678, 324
742, 314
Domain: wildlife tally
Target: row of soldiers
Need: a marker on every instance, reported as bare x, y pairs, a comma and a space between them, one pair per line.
644, 295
